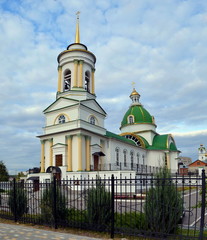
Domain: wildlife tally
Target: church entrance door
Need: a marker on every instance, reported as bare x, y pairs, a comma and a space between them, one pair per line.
96, 162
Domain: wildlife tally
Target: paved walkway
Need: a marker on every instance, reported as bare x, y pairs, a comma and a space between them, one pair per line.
20, 232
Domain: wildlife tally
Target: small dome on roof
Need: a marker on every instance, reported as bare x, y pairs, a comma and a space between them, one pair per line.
139, 115
134, 92
136, 113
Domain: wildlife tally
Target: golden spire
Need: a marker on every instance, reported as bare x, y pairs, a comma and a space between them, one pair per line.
77, 34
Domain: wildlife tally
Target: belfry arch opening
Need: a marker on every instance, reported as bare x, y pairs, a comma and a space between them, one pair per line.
67, 80
87, 81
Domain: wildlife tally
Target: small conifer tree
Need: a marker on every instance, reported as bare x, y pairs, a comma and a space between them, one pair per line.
18, 201
164, 204
98, 203
48, 205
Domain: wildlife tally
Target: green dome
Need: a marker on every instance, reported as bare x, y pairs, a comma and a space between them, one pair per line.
139, 114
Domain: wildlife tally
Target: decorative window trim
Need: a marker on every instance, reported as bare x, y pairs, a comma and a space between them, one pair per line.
132, 158
92, 120
138, 156
117, 156
143, 159
61, 119
125, 157
134, 139
130, 119
96, 121
57, 118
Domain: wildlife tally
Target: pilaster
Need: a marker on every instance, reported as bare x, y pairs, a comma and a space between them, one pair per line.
80, 74
51, 152
75, 73
93, 80
69, 159
79, 152
42, 166
59, 78
88, 152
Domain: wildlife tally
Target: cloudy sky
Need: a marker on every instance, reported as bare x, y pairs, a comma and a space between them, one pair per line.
158, 44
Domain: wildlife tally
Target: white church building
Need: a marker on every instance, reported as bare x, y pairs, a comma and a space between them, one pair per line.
75, 141
202, 153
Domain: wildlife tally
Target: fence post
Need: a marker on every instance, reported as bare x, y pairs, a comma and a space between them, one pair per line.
202, 204
55, 201
15, 200
112, 206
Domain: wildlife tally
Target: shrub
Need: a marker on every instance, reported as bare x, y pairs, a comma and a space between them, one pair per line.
48, 205
98, 205
164, 205
76, 217
18, 201
131, 220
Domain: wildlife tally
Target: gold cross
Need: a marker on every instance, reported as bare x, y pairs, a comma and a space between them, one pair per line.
133, 84
77, 14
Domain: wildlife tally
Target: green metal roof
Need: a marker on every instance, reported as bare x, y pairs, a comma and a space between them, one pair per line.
118, 137
141, 115
160, 142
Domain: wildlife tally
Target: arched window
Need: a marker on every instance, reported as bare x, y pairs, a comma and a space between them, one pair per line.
143, 159
125, 157
117, 156
87, 81
134, 139
132, 159
61, 119
67, 80
137, 158
130, 119
165, 159
92, 120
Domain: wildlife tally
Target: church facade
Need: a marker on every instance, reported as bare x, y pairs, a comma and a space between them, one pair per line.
75, 141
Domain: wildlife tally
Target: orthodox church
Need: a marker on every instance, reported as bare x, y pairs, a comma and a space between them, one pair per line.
75, 141
202, 153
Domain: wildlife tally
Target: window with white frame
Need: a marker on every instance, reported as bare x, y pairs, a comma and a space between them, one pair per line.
138, 158
61, 119
131, 119
143, 157
125, 157
132, 159
92, 120
117, 156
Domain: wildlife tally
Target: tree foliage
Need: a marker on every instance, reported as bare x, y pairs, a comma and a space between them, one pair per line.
164, 204
4, 176
19, 175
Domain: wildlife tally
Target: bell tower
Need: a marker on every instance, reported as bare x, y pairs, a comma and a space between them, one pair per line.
76, 68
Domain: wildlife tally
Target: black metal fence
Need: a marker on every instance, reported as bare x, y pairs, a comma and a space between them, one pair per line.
145, 206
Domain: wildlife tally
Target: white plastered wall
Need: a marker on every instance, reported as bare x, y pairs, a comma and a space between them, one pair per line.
145, 130
113, 144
